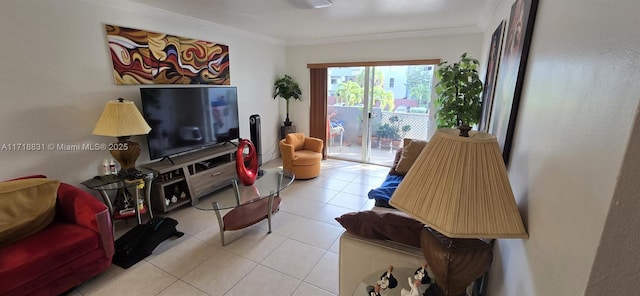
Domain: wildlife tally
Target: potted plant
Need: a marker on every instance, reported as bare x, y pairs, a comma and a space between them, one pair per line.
396, 131
287, 88
458, 91
395, 144
385, 134
389, 132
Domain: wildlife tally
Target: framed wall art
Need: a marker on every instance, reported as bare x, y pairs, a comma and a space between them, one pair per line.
143, 57
510, 77
493, 61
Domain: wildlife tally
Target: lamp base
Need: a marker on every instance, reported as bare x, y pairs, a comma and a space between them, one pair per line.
126, 153
455, 262
130, 174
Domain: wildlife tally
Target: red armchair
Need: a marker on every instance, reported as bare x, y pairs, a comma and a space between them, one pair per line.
75, 247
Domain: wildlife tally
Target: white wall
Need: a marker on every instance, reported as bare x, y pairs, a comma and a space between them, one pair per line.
446, 48
576, 114
56, 78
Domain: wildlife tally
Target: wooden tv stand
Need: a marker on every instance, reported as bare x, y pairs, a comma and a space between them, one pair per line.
191, 176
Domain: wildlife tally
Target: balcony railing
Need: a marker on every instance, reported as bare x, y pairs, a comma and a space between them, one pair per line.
351, 120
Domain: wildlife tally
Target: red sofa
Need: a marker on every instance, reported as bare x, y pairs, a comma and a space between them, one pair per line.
75, 247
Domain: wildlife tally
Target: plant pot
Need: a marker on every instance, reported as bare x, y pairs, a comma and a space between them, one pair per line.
375, 141
285, 130
385, 143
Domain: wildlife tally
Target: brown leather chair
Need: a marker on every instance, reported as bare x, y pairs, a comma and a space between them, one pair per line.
302, 155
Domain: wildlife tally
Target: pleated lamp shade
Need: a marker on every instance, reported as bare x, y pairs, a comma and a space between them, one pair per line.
459, 187
119, 119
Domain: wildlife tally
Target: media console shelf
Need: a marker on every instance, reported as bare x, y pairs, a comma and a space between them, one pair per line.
191, 176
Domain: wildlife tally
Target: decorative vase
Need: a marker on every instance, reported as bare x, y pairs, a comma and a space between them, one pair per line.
246, 165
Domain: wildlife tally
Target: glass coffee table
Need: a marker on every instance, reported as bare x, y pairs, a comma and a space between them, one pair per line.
248, 205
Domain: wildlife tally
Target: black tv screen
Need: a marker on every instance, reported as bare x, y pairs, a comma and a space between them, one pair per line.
188, 118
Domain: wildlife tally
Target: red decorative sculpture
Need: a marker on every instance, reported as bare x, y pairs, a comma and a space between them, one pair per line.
246, 166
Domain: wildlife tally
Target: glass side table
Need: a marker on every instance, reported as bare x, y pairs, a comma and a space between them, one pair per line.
122, 186
249, 204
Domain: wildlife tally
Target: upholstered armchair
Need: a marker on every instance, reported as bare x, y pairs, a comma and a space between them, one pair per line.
302, 155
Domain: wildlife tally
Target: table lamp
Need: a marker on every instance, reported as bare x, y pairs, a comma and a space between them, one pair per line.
122, 119
459, 188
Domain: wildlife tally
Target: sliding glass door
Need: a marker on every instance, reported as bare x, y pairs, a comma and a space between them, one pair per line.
371, 108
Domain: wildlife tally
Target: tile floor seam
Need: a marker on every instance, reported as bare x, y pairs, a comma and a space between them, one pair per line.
167, 287
314, 266
275, 270
308, 217
205, 292
308, 244
190, 270
243, 277
319, 288
304, 243
179, 278
274, 249
298, 287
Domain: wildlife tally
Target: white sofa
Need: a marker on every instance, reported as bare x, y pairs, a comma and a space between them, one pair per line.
360, 257
363, 260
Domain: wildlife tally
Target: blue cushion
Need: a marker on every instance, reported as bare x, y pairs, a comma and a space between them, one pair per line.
385, 191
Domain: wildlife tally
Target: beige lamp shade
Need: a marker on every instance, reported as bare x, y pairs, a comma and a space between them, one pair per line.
459, 187
121, 118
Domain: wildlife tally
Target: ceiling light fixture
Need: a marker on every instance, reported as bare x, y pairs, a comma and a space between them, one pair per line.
318, 3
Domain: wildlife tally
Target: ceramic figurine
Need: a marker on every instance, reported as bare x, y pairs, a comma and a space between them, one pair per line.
387, 280
373, 291
421, 274
415, 288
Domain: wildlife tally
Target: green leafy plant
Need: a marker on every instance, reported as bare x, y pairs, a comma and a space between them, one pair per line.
405, 129
419, 83
287, 88
392, 129
350, 93
458, 91
385, 97
387, 131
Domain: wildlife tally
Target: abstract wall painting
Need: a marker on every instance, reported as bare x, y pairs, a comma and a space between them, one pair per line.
142, 57
510, 78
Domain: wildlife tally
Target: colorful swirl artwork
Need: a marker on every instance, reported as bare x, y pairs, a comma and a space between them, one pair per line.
141, 57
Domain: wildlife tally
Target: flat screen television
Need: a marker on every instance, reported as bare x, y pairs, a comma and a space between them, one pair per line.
189, 118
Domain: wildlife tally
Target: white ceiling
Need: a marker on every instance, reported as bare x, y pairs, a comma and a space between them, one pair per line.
289, 21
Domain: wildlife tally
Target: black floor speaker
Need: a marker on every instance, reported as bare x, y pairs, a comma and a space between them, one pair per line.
254, 128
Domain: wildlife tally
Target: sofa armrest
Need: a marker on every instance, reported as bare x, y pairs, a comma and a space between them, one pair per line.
313, 144
81, 208
286, 153
392, 171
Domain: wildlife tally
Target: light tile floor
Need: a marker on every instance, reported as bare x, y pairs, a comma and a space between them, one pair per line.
299, 258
